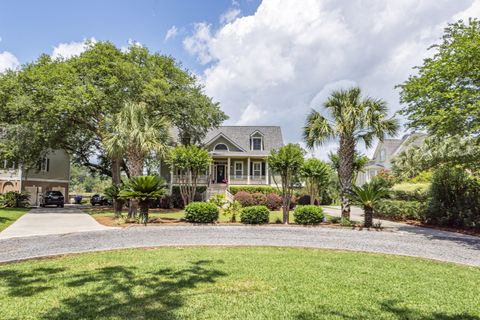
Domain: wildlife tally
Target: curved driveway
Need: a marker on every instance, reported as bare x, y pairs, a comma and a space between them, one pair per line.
411, 241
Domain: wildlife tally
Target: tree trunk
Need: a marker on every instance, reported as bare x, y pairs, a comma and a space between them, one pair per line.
135, 166
117, 207
144, 212
116, 181
286, 210
346, 155
368, 212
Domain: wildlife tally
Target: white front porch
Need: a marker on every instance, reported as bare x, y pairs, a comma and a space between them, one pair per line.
234, 171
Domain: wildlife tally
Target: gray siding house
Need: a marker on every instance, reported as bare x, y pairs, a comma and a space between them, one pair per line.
385, 152
239, 156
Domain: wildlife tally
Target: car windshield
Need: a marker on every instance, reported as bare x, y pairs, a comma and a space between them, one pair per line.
54, 193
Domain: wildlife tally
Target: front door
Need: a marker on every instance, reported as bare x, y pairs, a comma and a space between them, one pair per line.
220, 173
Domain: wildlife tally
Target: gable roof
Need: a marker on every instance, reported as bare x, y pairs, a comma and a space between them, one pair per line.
240, 136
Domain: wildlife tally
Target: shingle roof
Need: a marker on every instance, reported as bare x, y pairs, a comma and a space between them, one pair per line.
240, 135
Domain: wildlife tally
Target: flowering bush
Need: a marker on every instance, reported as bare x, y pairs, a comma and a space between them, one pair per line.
244, 198
273, 201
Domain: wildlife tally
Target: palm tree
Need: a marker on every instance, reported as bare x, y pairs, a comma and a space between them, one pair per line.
316, 175
351, 118
359, 164
368, 196
113, 193
143, 189
134, 133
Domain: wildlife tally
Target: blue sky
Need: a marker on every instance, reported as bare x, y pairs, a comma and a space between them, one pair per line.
29, 28
268, 62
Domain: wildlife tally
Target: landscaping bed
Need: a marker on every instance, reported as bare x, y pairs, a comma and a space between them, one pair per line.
105, 216
238, 283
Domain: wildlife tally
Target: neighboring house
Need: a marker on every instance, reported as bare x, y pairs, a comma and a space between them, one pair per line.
239, 156
385, 152
51, 173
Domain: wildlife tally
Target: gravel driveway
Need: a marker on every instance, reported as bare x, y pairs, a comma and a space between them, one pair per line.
418, 242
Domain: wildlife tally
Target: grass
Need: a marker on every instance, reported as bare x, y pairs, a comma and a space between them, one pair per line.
10, 215
238, 283
177, 214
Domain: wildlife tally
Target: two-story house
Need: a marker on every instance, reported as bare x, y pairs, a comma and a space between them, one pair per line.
385, 152
51, 173
239, 156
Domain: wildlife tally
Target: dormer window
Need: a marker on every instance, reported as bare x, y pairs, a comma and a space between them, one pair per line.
383, 155
256, 141
221, 147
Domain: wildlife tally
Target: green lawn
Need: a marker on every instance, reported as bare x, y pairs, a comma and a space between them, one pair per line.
238, 283
9, 216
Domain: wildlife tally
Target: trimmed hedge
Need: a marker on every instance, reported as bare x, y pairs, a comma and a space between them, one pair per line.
400, 210
201, 212
411, 191
308, 215
254, 189
255, 215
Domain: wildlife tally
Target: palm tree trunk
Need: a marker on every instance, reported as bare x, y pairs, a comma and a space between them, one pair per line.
135, 164
144, 212
116, 181
346, 155
368, 212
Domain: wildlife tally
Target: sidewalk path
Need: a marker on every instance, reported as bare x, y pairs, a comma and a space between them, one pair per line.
47, 221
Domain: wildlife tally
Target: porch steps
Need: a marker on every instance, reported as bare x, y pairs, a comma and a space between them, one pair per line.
214, 189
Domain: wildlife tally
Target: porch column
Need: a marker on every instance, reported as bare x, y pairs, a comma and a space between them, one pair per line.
248, 170
266, 172
228, 170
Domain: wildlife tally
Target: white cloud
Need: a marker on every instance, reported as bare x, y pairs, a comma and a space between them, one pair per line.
8, 61
230, 15
288, 55
70, 49
251, 115
130, 43
171, 33
199, 42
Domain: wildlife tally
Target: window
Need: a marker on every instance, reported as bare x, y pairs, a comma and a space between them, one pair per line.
8, 165
44, 165
257, 143
382, 155
238, 169
221, 146
257, 169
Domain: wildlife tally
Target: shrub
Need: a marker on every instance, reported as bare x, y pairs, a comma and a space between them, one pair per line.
259, 199
13, 199
400, 210
273, 201
303, 200
254, 189
422, 177
410, 191
455, 199
244, 198
218, 199
176, 197
308, 214
255, 215
384, 179
201, 212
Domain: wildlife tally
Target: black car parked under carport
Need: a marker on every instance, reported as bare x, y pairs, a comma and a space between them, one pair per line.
52, 198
